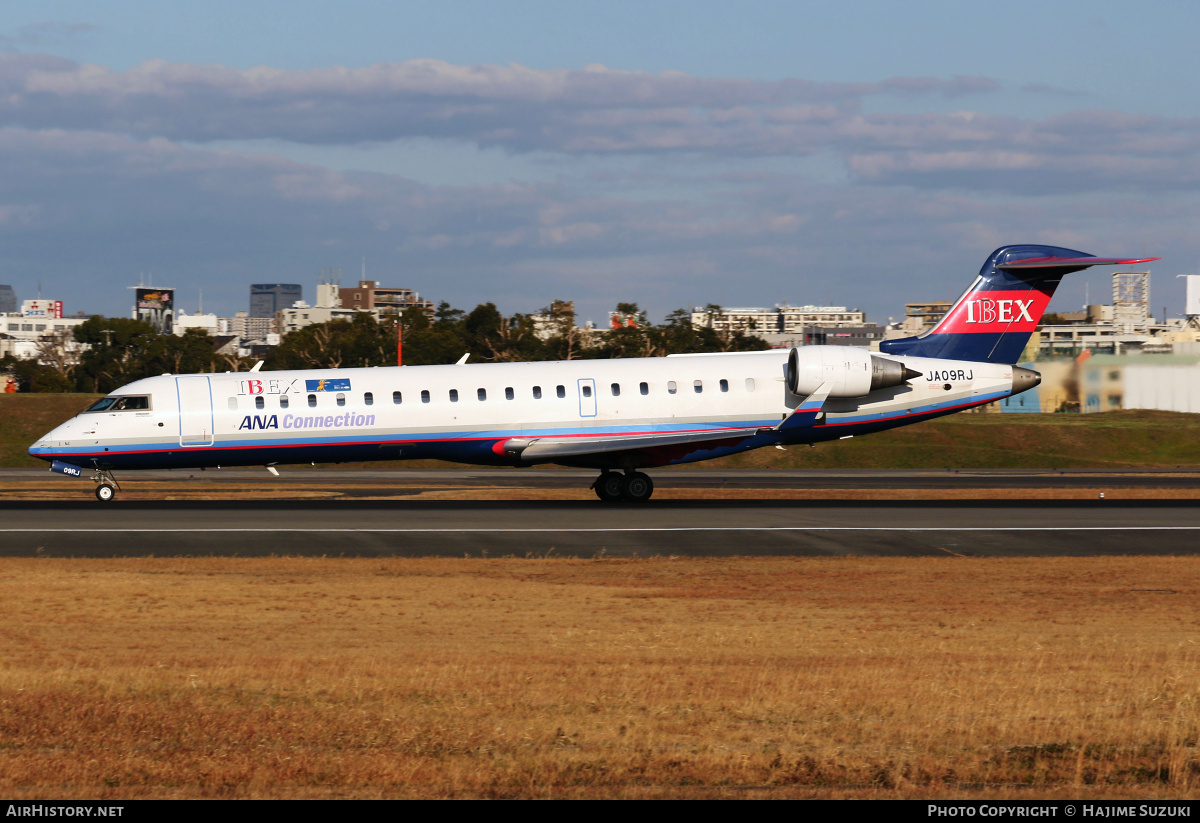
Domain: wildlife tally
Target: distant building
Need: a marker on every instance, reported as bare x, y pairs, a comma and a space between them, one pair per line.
210, 324
8, 300
385, 300
39, 324
867, 336
329, 307
921, 317
782, 319
784, 325
247, 327
1156, 381
268, 298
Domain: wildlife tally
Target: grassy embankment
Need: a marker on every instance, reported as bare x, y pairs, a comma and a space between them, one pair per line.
1132, 439
536, 677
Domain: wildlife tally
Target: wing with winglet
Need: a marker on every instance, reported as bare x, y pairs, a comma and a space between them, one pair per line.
552, 449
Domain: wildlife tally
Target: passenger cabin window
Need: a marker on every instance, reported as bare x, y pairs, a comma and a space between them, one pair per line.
561, 391
454, 395
424, 395
283, 401
698, 386
587, 391
509, 394
260, 402
644, 388
312, 401
233, 404
724, 385
397, 398
537, 392
671, 387
341, 399
369, 399
749, 384
481, 394
616, 389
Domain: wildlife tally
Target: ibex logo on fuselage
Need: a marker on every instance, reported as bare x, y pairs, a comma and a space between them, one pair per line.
995, 311
1003, 311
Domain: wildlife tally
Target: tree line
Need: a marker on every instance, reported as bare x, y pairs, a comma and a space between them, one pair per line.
121, 350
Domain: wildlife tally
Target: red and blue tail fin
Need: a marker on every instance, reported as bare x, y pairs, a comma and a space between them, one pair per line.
994, 318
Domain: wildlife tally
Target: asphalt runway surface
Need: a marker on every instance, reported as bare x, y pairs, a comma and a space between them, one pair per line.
354, 524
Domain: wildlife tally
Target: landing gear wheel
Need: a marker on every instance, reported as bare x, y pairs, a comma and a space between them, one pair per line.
636, 487
105, 492
608, 487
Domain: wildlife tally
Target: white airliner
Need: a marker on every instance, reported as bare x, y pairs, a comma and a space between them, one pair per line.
618, 416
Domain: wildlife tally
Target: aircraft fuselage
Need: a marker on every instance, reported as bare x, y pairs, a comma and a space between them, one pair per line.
465, 413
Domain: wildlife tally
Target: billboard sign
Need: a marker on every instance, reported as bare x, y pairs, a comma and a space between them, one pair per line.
42, 308
156, 307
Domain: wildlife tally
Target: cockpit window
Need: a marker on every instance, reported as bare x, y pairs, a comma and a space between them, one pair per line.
121, 402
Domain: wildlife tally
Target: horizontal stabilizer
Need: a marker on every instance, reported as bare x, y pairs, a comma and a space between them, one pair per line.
1072, 262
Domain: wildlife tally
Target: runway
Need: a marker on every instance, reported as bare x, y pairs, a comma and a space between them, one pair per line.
384, 513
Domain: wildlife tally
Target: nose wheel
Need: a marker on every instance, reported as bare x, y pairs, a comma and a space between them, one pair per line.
106, 485
632, 487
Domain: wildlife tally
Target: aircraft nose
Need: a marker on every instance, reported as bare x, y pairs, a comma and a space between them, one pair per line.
43, 447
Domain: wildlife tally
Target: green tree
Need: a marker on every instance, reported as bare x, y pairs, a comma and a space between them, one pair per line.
121, 350
437, 343
32, 376
564, 340
356, 343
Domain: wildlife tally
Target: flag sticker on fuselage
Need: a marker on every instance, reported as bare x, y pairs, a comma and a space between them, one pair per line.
328, 384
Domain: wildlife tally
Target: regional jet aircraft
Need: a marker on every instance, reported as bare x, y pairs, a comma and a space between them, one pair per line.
617, 416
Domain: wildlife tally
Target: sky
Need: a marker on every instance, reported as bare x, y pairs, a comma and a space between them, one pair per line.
671, 154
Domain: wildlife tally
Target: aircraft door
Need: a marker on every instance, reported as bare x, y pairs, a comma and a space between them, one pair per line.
195, 411
587, 397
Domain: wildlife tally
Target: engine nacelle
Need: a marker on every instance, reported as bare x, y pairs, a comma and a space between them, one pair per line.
852, 372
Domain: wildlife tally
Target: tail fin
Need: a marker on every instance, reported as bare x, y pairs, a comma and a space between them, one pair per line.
994, 318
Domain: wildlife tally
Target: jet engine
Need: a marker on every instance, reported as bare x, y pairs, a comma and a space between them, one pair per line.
852, 372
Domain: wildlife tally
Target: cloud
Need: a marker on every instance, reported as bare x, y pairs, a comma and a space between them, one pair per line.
101, 209
104, 175
1053, 91
45, 34
1074, 152
598, 111
592, 110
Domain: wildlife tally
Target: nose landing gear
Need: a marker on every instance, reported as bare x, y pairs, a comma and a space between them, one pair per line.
631, 487
106, 485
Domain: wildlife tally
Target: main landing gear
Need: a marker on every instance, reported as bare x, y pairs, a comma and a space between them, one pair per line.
106, 485
631, 487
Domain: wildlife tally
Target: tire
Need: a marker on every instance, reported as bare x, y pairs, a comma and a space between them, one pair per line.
608, 487
636, 487
105, 493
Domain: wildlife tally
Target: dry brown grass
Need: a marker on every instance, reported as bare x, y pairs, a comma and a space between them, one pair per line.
533, 677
